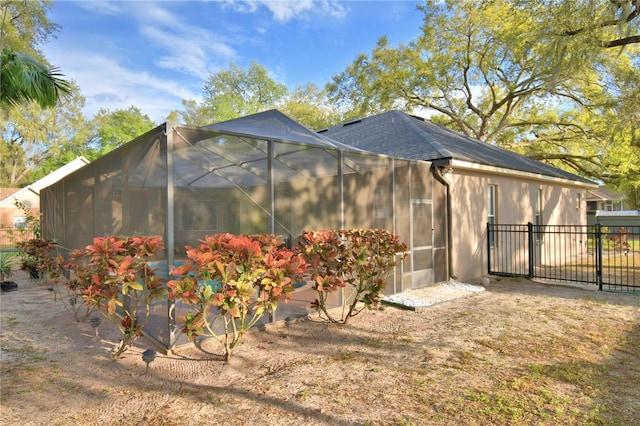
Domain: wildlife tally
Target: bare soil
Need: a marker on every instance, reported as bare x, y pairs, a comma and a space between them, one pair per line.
520, 352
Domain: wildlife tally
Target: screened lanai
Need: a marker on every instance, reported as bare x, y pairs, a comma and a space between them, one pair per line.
263, 173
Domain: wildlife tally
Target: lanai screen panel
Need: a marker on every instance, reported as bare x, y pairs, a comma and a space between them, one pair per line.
221, 184
144, 187
306, 189
368, 191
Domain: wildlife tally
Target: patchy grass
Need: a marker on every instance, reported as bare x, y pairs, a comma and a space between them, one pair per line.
520, 353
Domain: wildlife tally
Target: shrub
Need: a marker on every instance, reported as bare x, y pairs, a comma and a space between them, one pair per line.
241, 276
619, 239
38, 258
358, 260
113, 276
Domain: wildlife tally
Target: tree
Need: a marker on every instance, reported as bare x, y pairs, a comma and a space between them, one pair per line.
111, 129
24, 73
35, 138
505, 72
233, 93
23, 79
308, 105
25, 26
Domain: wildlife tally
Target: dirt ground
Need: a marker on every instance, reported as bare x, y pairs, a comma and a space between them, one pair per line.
519, 352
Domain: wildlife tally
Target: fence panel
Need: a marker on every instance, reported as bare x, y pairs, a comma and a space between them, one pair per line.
565, 253
9, 237
609, 258
508, 250
620, 258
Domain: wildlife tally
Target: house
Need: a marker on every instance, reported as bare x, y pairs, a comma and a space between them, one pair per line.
266, 173
14, 217
602, 199
481, 184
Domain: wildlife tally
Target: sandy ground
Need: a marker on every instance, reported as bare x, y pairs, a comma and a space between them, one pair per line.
385, 367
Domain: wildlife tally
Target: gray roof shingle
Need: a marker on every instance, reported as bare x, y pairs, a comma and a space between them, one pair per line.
401, 135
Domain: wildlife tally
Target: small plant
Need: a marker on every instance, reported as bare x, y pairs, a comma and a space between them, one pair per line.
31, 222
38, 258
113, 276
358, 260
619, 239
7, 262
242, 276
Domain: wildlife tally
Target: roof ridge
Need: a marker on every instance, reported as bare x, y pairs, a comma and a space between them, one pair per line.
417, 123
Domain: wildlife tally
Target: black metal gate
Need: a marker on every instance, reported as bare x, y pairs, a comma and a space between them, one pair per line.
606, 257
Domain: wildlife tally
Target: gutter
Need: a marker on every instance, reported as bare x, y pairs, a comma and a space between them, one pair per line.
439, 169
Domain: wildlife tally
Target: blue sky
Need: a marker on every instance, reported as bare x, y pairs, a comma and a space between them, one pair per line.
153, 54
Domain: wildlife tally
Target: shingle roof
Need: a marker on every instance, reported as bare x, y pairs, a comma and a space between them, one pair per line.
604, 194
274, 125
398, 134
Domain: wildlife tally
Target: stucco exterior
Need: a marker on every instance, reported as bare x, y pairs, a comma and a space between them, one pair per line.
516, 193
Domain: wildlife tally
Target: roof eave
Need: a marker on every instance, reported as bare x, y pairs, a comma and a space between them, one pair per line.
466, 165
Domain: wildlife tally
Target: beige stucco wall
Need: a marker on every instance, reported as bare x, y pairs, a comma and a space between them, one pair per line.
563, 203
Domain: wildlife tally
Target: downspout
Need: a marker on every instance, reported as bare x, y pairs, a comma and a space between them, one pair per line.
438, 173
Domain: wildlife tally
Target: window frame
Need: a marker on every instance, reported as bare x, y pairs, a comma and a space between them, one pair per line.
492, 191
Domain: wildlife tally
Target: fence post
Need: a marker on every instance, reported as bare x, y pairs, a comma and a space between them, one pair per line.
488, 248
530, 242
599, 255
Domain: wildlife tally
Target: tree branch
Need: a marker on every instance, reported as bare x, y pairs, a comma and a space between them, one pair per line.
609, 23
621, 41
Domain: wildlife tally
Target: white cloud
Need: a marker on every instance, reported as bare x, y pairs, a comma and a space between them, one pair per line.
188, 49
191, 52
285, 11
101, 7
107, 84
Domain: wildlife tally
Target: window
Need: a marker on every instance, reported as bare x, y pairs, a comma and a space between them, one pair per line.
491, 212
538, 214
19, 222
578, 200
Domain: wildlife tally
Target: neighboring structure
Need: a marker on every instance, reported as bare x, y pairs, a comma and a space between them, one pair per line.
614, 220
482, 183
602, 199
13, 217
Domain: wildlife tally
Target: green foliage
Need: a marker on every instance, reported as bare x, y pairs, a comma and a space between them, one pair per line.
112, 129
235, 92
310, 107
7, 261
232, 93
242, 276
113, 276
358, 260
32, 221
35, 127
24, 79
38, 258
25, 26
534, 77
33, 138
